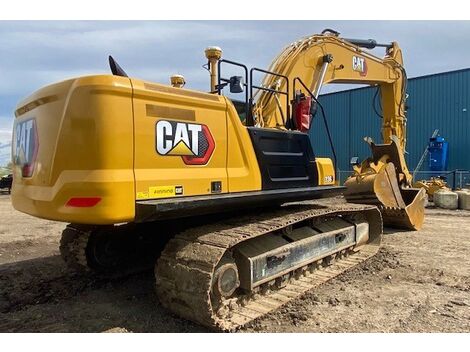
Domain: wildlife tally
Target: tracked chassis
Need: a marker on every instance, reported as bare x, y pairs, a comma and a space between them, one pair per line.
224, 275
225, 272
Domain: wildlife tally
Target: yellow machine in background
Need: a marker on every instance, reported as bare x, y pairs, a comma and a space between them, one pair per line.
431, 186
143, 170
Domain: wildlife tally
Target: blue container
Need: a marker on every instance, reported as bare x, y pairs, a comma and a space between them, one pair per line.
438, 154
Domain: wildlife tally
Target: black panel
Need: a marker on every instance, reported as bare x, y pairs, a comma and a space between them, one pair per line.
285, 158
179, 207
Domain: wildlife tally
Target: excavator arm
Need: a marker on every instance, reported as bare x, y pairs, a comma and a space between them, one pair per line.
384, 178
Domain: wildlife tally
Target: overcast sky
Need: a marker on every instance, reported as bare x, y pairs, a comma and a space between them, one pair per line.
33, 54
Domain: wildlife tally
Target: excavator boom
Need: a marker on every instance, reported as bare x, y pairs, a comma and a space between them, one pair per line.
383, 179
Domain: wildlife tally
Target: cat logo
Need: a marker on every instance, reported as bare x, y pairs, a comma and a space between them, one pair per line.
25, 146
193, 142
359, 64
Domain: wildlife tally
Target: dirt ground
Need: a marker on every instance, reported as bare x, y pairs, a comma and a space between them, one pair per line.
419, 282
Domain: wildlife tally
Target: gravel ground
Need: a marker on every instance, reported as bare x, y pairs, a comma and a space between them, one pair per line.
419, 282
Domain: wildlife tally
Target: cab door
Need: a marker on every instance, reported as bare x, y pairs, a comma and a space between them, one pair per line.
180, 146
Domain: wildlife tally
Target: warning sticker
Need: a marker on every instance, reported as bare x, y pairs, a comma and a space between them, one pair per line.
161, 192
142, 195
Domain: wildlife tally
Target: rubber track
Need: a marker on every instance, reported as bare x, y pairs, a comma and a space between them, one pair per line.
73, 249
73, 244
184, 270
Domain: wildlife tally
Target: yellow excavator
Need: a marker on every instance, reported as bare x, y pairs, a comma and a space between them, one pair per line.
208, 188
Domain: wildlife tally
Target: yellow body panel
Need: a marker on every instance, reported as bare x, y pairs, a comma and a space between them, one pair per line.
97, 138
242, 166
85, 138
232, 162
326, 171
154, 102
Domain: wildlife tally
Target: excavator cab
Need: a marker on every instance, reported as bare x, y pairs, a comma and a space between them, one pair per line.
285, 153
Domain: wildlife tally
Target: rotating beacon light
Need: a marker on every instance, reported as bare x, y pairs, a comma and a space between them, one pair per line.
177, 81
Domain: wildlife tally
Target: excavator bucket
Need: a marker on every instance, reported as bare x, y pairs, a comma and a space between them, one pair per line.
400, 207
412, 216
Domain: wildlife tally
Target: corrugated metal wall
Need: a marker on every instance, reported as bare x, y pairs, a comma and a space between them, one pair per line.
440, 101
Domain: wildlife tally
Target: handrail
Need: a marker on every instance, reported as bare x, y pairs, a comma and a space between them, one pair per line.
286, 92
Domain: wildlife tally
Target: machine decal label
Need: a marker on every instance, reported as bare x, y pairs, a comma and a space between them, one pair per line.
161, 192
142, 195
193, 142
179, 190
25, 142
359, 64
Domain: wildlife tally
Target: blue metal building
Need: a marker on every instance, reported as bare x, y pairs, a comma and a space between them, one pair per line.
439, 101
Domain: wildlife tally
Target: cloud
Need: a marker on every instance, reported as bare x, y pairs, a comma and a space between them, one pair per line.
81, 45
5, 140
6, 125
5, 149
36, 53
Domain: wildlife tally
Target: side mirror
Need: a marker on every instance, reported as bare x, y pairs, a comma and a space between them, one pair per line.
236, 84
354, 161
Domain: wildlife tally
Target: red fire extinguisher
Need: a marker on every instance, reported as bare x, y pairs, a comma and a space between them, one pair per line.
303, 110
